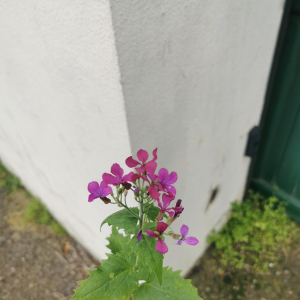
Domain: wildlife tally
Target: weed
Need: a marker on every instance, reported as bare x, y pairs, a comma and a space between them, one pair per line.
9, 182
257, 231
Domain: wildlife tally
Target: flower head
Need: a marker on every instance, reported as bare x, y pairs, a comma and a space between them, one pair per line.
189, 240
166, 200
161, 246
119, 178
99, 191
142, 156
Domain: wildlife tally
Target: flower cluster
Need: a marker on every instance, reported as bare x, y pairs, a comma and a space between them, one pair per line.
149, 187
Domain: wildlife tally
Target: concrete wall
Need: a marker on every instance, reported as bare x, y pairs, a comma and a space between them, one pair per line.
188, 77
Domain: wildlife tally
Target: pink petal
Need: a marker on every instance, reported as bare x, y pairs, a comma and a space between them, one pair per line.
151, 167
93, 187
163, 175
172, 178
109, 179
135, 177
159, 203
179, 242
166, 199
191, 241
171, 189
161, 247
141, 169
177, 209
106, 191
154, 194
145, 178
184, 230
130, 162
161, 227
152, 176
142, 155
154, 154
151, 233
128, 177
92, 197
170, 213
117, 171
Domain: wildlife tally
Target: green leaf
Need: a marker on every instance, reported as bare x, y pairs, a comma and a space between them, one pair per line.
173, 287
123, 219
115, 279
151, 211
117, 241
145, 249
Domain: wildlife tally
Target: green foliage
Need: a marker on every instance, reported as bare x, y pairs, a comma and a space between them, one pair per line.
123, 219
145, 250
257, 230
173, 287
151, 211
119, 275
9, 182
37, 212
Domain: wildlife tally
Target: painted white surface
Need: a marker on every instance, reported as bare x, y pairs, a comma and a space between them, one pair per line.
194, 75
62, 116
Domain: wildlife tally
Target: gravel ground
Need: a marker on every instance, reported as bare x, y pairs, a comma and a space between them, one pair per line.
38, 264
35, 262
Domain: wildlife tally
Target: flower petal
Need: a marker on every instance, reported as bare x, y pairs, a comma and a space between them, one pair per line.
106, 191
179, 242
130, 162
128, 177
135, 177
93, 187
161, 227
109, 179
170, 213
154, 194
161, 246
117, 171
163, 175
191, 241
154, 155
142, 155
151, 167
166, 199
139, 236
172, 178
171, 189
184, 230
141, 169
151, 233
92, 197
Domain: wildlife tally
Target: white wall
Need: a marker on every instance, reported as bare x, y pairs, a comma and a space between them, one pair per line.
192, 75
62, 116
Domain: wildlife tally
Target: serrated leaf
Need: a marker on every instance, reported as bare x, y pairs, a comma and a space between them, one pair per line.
117, 241
123, 219
115, 279
145, 249
151, 211
173, 287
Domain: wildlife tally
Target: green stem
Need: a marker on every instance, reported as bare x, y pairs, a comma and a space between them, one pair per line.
134, 214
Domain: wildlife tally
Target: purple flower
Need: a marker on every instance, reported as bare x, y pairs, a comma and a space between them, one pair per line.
136, 190
139, 236
142, 156
189, 240
97, 191
166, 179
119, 178
166, 200
161, 246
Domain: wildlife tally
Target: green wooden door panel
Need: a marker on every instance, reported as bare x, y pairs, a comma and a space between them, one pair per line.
285, 102
287, 175
277, 166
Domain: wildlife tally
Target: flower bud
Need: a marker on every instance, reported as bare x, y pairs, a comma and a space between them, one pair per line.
105, 200
125, 193
176, 236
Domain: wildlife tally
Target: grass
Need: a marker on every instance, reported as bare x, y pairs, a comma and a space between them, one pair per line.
35, 211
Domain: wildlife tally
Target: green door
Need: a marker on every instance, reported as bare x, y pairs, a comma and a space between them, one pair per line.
277, 164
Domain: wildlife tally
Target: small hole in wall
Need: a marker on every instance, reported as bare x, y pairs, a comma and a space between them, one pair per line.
213, 196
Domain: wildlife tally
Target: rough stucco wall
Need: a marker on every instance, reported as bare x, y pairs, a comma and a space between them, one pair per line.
194, 75
62, 117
